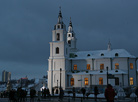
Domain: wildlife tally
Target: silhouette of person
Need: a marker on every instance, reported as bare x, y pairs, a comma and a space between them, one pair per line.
96, 92
109, 93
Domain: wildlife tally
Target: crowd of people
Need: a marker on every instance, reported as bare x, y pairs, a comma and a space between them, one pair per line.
20, 95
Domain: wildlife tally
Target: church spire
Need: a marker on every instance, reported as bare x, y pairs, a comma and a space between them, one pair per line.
109, 46
60, 16
70, 28
70, 24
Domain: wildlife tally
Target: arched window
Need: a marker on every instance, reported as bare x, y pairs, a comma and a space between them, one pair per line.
131, 81
58, 26
72, 35
86, 81
88, 66
100, 81
131, 65
102, 54
57, 50
69, 42
75, 66
116, 54
58, 36
101, 66
116, 66
72, 81
62, 26
69, 35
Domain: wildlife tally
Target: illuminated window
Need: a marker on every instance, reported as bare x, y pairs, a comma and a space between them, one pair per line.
57, 50
88, 66
58, 36
131, 65
101, 66
131, 81
72, 81
116, 66
75, 67
100, 81
86, 81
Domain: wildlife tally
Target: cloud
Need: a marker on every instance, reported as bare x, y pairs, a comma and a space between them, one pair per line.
26, 27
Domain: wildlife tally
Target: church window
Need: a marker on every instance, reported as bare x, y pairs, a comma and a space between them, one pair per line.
75, 67
100, 81
69, 35
86, 81
58, 26
116, 66
88, 66
57, 50
101, 66
69, 42
116, 81
58, 36
62, 26
72, 81
131, 81
72, 35
131, 65
88, 55
102, 54
116, 54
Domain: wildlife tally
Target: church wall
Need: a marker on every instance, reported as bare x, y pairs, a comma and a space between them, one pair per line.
81, 64
132, 72
123, 65
95, 79
106, 63
54, 35
61, 49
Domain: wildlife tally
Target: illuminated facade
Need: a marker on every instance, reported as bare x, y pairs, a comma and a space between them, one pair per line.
86, 68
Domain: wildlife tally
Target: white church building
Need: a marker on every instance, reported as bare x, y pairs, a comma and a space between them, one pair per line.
86, 68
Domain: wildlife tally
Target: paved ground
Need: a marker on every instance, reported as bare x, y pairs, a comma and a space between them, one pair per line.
67, 100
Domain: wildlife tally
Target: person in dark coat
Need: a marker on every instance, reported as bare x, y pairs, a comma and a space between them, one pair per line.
83, 92
32, 94
96, 92
52, 91
109, 93
61, 95
74, 93
45, 92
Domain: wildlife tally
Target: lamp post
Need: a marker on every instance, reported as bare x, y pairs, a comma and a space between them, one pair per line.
57, 83
60, 81
107, 74
60, 77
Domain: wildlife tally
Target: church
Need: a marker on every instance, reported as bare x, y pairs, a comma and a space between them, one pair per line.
68, 67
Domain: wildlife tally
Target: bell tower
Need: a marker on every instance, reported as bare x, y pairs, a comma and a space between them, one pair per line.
58, 55
71, 38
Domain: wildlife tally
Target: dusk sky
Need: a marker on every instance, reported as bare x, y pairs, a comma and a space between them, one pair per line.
26, 30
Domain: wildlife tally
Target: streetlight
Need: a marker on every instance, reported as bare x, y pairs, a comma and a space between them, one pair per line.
60, 82
107, 75
57, 83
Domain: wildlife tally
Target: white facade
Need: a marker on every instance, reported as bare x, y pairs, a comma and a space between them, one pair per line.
86, 68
